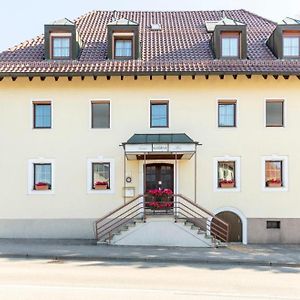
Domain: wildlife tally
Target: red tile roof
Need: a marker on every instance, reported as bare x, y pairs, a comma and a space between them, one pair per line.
181, 46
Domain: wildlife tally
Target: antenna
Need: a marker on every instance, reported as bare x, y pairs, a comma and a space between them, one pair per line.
114, 15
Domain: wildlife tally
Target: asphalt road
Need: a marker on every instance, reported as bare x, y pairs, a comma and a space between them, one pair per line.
41, 279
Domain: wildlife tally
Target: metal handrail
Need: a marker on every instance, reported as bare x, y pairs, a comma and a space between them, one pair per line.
183, 206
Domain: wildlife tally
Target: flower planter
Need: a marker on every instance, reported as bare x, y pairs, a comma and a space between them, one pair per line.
101, 187
274, 184
41, 187
227, 185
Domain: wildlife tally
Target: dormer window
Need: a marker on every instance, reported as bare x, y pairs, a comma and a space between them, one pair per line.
62, 40
229, 38
61, 47
230, 44
123, 40
284, 41
291, 44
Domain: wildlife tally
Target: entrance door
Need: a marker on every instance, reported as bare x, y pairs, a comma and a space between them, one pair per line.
159, 176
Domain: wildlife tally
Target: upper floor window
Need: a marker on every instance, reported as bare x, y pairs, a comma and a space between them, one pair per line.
227, 113
41, 115
100, 114
274, 113
230, 44
123, 48
61, 47
159, 115
291, 44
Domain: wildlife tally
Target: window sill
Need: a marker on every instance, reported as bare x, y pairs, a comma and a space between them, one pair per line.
41, 192
275, 189
226, 190
104, 192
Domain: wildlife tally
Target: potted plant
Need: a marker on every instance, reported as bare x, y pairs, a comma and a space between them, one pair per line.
101, 185
274, 183
226, 183
160, 199
41, 186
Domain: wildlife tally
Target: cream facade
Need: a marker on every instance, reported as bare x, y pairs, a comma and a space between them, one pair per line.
71, 145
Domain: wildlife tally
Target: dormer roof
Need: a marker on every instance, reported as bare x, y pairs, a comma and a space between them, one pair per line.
63, 21
123, 21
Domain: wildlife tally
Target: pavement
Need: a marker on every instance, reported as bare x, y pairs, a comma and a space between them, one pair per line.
258, 255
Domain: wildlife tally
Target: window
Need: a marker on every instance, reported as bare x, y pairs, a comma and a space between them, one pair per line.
273, 224
230, 44
123, 48
226, 174
159, 114
274, 113
61, 47
41, 115
291, 44
227, 114
42, 177
273, 177
100, 114
101, 176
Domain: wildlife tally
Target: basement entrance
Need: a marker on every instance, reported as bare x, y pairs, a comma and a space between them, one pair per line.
235, 225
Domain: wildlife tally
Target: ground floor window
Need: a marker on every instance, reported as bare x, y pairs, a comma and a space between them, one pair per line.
275, 173
40, 176
100, 175
227, 173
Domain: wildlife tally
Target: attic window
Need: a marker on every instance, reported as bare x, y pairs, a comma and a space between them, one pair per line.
291, 43
230, 44
61, 46
123, 45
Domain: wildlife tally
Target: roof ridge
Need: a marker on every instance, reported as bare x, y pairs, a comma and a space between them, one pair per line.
258, 16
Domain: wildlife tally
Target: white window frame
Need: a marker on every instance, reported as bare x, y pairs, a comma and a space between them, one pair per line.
31, 163
233, 100
284, 112
284, 159
43, 100
91, 112
100, 159
237, 161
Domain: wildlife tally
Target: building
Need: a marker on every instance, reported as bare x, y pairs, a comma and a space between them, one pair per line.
204, 103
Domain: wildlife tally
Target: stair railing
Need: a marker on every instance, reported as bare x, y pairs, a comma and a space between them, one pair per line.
206, 221
119, 217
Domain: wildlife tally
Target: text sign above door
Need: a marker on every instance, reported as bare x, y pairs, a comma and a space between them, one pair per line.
160, 147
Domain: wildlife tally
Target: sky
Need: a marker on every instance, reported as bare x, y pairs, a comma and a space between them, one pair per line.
21, 20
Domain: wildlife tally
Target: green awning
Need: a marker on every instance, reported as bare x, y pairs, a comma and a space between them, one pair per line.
176, 138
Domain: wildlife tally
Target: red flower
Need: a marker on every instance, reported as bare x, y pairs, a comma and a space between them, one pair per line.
226, 181
41, 184
101, 183
274, 181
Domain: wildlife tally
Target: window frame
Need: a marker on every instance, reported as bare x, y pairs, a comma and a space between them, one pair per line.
291, 34
100, 159
123, 38
283, 113
237, 175
41, 102
60, 36
284, 173
160, 102
97, 101
224, 101
93, 178
230, 34
31, 176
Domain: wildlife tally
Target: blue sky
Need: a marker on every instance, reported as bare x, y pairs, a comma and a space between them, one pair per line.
23, 19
